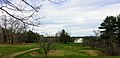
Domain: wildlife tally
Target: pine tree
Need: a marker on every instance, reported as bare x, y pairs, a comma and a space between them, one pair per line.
64, 36
109, 34
109, 27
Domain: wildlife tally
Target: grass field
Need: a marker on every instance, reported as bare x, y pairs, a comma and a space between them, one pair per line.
59, 51
7, 49
64, 51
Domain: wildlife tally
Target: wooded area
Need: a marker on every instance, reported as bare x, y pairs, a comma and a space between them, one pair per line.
109, 39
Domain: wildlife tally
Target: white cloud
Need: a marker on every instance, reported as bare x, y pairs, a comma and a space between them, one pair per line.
79, 17
49, 29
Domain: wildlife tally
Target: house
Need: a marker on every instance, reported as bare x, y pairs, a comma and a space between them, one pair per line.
78, 40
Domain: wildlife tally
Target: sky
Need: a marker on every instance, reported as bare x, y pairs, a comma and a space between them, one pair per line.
77, 17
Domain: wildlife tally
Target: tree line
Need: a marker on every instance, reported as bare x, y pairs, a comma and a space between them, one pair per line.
20, 37
109, 39
63, 37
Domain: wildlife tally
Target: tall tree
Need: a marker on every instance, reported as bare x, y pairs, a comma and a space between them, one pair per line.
109, 33
27, 10
4, 24
109, 27
47, 44
18, 8
118, 29
64, 36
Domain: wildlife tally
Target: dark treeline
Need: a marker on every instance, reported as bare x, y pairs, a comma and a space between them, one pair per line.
15, 31
109, 39
63, 37
7, 36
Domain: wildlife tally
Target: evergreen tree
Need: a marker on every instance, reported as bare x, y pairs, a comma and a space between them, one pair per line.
109, 34
64, 36
118, 29
109, 27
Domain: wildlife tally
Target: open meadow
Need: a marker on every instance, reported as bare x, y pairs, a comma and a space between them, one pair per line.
59, 51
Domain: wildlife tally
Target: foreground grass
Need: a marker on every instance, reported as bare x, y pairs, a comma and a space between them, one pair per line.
71, 56
60, 51
64, 51
7, 49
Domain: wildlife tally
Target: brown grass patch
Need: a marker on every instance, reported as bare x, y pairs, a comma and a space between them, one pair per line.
92, 52
56, 53
34, 54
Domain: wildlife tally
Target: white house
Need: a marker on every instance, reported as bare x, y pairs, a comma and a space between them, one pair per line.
79, 40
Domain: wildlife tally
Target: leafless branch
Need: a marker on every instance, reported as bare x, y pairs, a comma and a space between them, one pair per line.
30, 5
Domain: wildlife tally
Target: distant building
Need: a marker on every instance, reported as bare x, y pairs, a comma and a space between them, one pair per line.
78, 40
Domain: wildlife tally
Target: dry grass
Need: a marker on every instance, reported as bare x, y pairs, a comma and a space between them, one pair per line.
56, 53
92, 52
34, 54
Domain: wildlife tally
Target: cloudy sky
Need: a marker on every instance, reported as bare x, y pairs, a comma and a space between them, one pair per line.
78, 17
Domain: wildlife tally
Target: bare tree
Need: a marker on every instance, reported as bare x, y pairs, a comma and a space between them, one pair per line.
47, 44
15, 27
4, 23
26, 8
22, 10
96, 32
11, 27
94, 40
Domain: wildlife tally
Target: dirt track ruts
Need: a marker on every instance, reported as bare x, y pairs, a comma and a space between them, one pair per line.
19, 53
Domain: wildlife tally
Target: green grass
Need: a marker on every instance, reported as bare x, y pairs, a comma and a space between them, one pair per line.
41, 55
10, 48
65, 56
71, 46
61, 51
77, 56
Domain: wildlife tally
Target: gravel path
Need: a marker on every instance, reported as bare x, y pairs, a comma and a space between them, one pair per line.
19, 53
